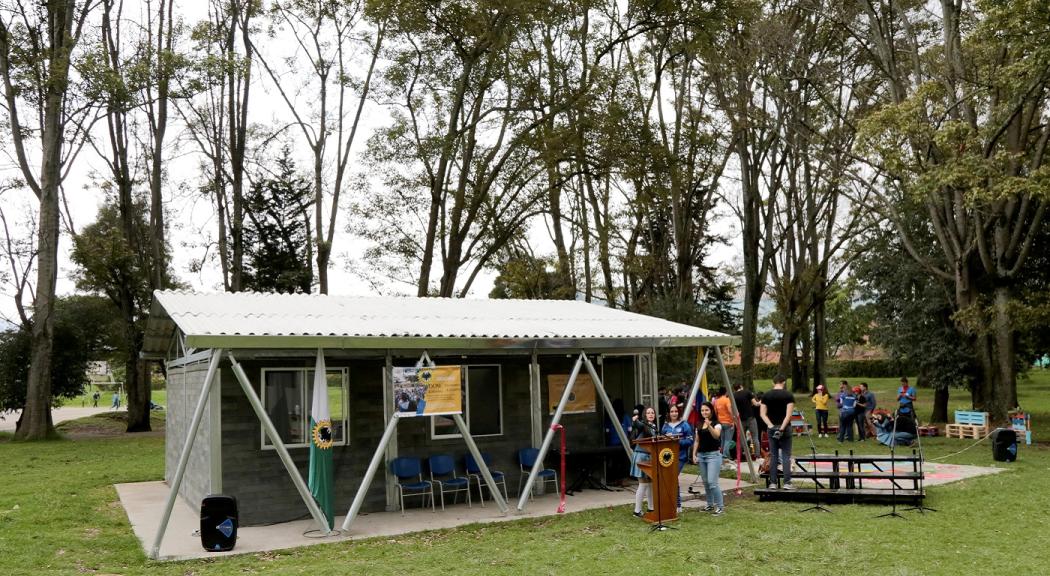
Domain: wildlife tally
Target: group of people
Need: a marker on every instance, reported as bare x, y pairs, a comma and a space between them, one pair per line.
709, 437
857, 406
706, 443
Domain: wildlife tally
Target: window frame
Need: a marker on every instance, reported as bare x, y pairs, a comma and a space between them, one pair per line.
343, 371
466, 382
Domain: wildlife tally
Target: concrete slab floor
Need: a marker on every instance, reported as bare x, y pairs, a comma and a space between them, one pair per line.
144, 504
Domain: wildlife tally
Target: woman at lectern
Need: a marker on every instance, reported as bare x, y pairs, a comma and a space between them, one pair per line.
708, 456
644, 427
675, 426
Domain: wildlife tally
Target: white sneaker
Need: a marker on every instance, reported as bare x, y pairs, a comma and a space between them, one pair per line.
788, 486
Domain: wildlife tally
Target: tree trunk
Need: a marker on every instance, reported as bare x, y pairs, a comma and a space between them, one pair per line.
940, 405
158, 251
788, 361
36, 414
800, 364
753, 282
423, 286
820, 334
136, 387
1004, 390
585, 232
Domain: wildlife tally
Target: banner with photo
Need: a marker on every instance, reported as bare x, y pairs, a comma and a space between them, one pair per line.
428, 391
580, 401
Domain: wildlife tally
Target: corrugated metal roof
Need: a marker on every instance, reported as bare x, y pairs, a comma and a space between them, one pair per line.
242, 320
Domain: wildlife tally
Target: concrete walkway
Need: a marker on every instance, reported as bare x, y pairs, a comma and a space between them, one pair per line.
57, 415
144, 503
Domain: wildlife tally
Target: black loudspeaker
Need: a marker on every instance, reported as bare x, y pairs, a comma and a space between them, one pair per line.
1004, 445
218, 522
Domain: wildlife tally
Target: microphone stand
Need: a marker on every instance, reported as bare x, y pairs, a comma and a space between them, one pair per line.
920, 508
816, 481
893, 469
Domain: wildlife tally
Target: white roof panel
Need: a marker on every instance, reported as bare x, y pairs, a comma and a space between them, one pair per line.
253, 320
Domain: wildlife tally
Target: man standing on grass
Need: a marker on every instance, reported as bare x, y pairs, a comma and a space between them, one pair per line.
775, 410
745, 405
905, 396
724, 412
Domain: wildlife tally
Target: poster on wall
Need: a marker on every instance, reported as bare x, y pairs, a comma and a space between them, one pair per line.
580, 401
428, 391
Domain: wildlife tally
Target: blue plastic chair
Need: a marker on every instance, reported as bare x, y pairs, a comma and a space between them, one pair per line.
474, 471
409, 473
443, 475
526, 460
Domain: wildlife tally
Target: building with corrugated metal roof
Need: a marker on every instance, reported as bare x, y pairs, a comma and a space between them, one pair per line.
508, 351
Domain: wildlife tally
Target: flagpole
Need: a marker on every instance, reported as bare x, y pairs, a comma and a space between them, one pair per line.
321, 435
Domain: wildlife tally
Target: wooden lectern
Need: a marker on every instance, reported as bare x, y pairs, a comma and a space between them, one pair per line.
662, 469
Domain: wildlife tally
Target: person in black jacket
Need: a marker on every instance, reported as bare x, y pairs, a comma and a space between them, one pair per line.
641, 428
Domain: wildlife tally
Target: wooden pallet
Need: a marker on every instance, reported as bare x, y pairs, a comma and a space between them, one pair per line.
965, 431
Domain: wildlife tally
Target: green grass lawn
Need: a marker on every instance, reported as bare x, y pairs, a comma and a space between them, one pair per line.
106, 400
59, 514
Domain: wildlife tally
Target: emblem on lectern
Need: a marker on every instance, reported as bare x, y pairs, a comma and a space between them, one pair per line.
666, 457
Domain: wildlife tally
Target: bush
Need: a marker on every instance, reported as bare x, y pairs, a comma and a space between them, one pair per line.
874, 368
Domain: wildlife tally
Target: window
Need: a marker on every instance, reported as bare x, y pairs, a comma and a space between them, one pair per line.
287, 394
482, 405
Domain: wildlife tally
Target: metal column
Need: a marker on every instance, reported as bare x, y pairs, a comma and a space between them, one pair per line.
538, 465
184, 456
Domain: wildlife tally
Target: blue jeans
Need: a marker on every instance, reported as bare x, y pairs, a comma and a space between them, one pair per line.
845, 426
728, 435
710, 466
780, 452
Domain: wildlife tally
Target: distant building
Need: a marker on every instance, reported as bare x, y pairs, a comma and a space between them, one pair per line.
98, 368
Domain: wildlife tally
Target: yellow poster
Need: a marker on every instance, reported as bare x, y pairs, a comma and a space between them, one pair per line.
580, 400
428, 391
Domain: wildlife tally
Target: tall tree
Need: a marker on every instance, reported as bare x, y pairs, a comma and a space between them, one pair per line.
277, 236
129, 73
963, 130
38, 43
466, 148
114, 260
331, 36
681, 151
814, 83
164, 63
734, 68
913, 310
217, 121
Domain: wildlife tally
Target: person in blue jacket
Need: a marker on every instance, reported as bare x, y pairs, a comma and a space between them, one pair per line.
675, 426
847, 409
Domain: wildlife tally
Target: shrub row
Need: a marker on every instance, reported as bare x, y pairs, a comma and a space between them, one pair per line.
873, 368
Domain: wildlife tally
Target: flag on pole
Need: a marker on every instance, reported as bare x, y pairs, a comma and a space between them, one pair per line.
321, 481
703, 377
